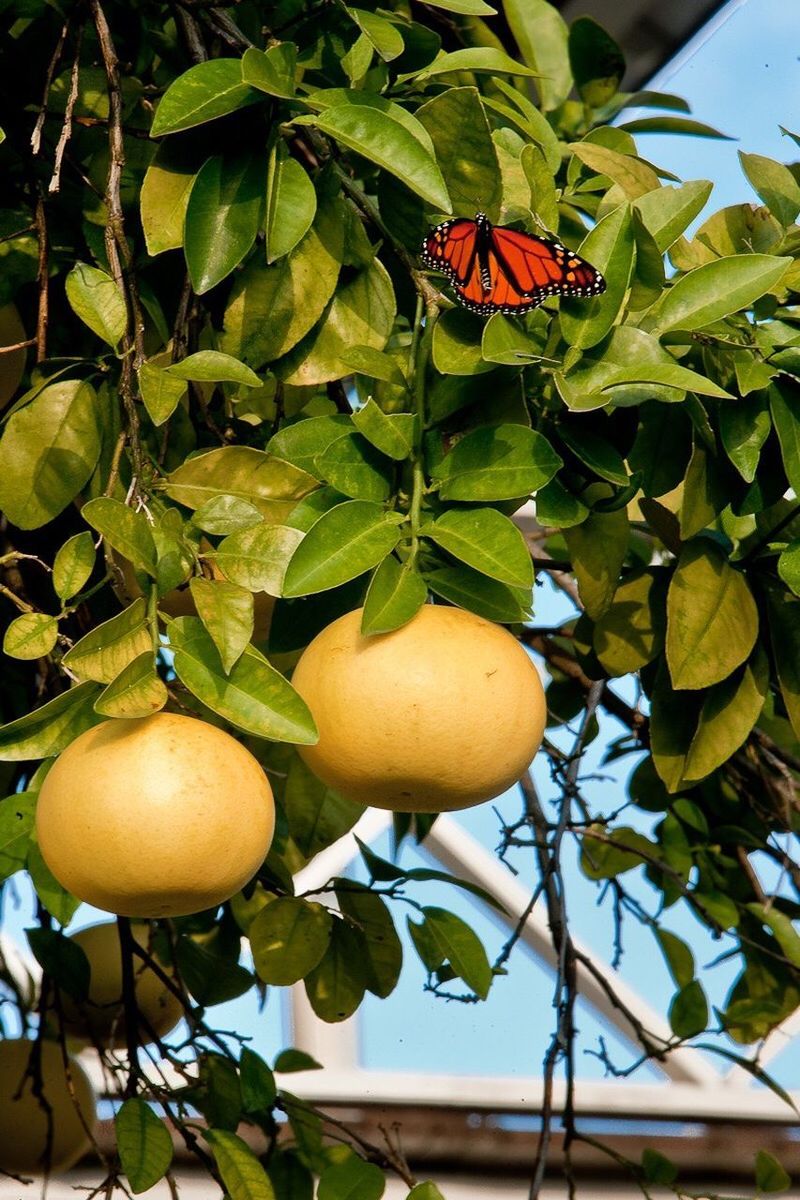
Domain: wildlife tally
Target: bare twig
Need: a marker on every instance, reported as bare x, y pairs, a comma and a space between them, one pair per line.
66, 128
36, 136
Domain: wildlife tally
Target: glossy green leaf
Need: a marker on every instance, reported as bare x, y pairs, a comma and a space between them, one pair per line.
784, 403
679, 957
744, 428
630, 633
335, 986
226, 514
541, 34
597, 550
353, 1179
317, 816
60, 903
609, 246
501, 462
597, 62
48, 450
380, 32
456, 122
633, 175
208, 90
73, 565
103, 652
164, 196
258, 1083
596, 452
271, 485
461, 947
362, 312
30, 635
558, 507
63, 960
667, 211
294, 291
143, 1143
607, 860
98, 301
48, 730
272, 71
355, 468
681, 125
242, 1174
715, 290
384, 951
770, 1175
302, 442
222, 216
291, 203
456, 346
161, 392
226, 610
712, 620
783, 611
688, 1012
256, 558
775, 184
486, 540
345, 542
124, 529
16, 830
288, 938
670, 375
212, 979
136, 692
212, 366
253, 696
789, 566
478, 60
392, 434
476, 592
365, 360
395, 595
425, 1191
730, 710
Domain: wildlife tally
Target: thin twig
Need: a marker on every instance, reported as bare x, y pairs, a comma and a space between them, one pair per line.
66, 128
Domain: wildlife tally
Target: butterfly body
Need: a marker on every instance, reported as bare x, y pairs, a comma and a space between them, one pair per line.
496, 269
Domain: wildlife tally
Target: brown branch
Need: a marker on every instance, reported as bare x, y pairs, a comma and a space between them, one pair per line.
190, 31
36, 136
18, 346
43, 280
131, 1008
66, 128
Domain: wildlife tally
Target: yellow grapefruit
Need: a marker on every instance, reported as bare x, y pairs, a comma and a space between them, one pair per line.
441, 714
12, 364
101, 1017
26, 1126
157, 816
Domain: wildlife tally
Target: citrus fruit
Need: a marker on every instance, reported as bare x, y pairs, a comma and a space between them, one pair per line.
440, 714
157, 816
100, 1018
24, 1120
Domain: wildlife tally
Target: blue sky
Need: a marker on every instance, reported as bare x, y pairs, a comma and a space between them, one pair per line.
742, 76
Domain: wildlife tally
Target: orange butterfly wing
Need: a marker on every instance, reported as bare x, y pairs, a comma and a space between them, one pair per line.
452, 248
541, 266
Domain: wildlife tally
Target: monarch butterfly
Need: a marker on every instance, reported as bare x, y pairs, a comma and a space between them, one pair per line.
496, 269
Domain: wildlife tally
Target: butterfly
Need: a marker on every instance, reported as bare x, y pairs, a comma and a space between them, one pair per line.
496, 269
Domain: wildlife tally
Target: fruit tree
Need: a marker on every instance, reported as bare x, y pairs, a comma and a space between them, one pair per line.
259, 562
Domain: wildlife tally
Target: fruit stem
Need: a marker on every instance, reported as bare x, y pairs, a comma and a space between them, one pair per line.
419, 355
152, 617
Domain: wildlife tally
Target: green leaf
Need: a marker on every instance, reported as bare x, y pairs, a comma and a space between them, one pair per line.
317, 816
211, 978
461, 947
73, 565
362, 312
596, 452
744, 428
476, 592
476, 59
666, 375
346, 541
212, 366
667, 211
164, 196
789, 566
365, 360
30, 635
425, 1191
658, 1168
226, 514
541, 34
47, 453
630, 633
600, 860
97, 300
222, 217
60, 903
393, 434
712, 620
288, 938
294, 291
770, 1175
126, 531
272, 71
380, 138
161, 392
226, 610
291, 202
143, 1143
381, 33
597, 62
62, 959
673, 722
353, 1179
609, 246
257, 558
501, 462
242, 1174
775, 184
730, 710
597, 550
335, 986
783, 928
633, 175
705, 494
679, 957
136, 692
48, 730
302, 442
253, 696
783, 612
248, 474
105, 650
680, 125
395, 595
355, 468
784, 403
384, 951
486, 540
259, 1091
467, 8
208, 90
688, 1012
456, 346
16, 829
558, 507
457, 124
715, 290
295, 1060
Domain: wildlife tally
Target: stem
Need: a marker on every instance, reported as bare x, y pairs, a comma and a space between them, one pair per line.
419, 355
152, 617
126, 944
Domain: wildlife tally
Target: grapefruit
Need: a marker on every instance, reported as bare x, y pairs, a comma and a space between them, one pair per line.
26, 1127
101, 1017
440, 714
155, 816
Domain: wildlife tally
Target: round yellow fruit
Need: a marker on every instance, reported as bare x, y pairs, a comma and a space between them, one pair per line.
155, 817
24, 1120
12, 364
441, 714
100, 1018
